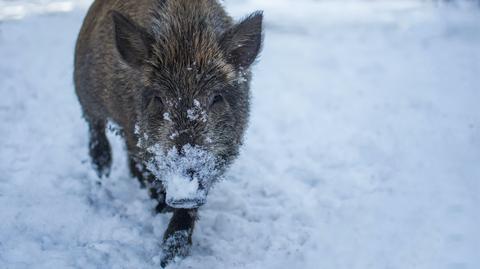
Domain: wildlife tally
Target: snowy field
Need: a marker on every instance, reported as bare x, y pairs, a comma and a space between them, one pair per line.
363, 150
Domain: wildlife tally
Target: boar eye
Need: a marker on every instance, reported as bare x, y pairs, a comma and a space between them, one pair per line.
216, 100
157, 100
154, 103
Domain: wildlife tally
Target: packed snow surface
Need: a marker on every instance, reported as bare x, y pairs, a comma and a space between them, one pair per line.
362, 153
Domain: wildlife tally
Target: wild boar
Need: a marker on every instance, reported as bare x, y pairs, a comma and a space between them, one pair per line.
174, 75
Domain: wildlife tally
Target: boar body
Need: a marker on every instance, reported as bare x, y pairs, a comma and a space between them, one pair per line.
174, 75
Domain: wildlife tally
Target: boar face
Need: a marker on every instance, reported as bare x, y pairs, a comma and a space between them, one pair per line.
191, 98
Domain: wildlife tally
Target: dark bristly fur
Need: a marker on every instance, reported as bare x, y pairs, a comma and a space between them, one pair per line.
137, 60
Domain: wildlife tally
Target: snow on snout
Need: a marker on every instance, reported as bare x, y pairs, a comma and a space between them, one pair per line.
184, 192
187, 175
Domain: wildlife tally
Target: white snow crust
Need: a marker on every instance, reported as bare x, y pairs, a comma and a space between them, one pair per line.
362, 151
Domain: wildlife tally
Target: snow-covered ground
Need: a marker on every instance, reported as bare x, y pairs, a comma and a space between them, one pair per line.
363, 150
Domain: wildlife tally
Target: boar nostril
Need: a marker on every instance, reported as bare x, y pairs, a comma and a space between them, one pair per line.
190, 173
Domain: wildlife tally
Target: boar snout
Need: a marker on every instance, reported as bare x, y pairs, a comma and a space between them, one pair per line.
185, 191
186, 174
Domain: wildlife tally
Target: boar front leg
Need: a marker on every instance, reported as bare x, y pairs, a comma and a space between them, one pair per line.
99, 149
178, 236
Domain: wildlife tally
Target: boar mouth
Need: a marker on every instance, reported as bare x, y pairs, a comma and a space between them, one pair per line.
186, 203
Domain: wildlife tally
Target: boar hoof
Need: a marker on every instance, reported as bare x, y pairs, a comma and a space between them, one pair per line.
175, 245
101, 155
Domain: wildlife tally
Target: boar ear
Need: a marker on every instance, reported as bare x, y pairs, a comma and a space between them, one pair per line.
243, 42
132, 41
